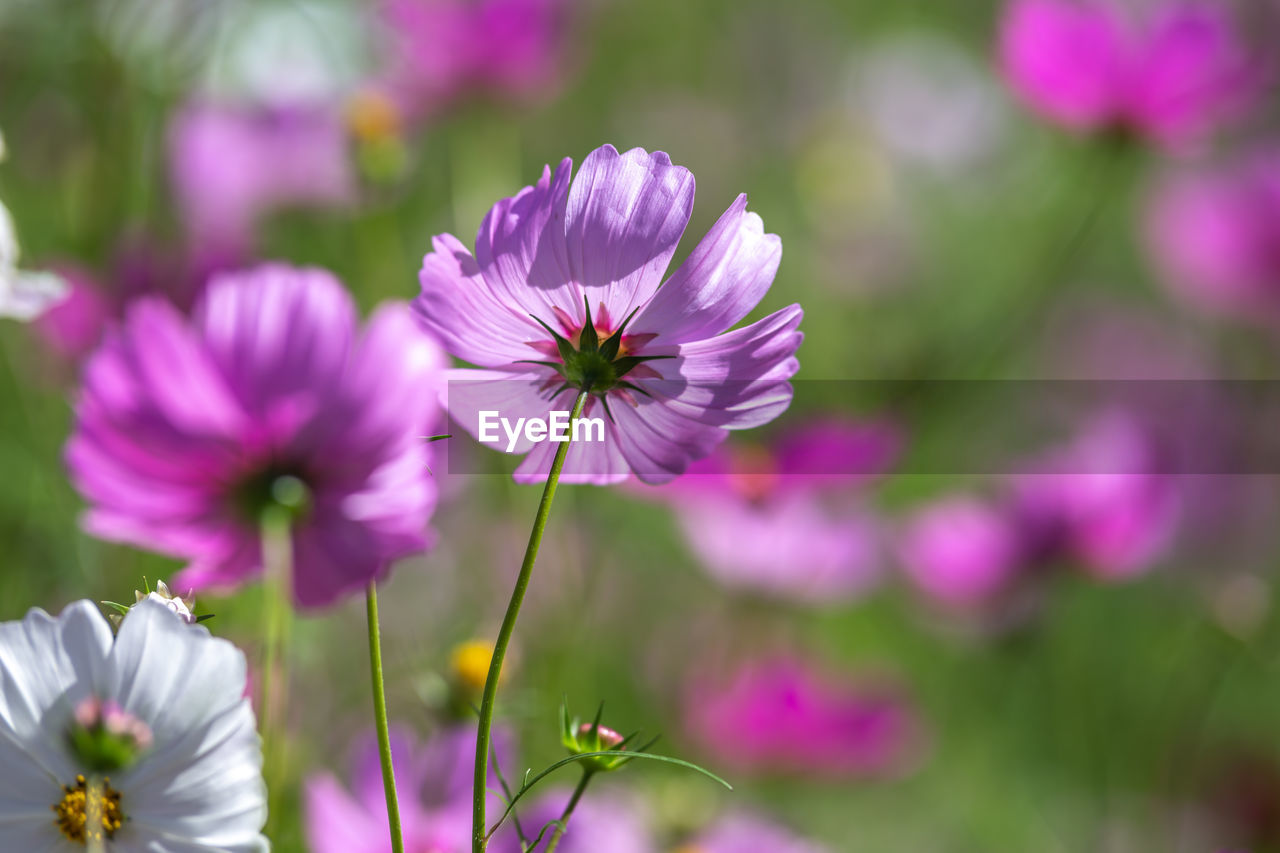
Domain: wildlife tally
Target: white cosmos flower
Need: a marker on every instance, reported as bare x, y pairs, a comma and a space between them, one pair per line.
196, 788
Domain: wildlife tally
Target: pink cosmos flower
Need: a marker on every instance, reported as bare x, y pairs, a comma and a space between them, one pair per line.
1170, 74
1216, 237
1102, 502
433, 779
441, 49
782, 715
962, 552
231, 164
565, 291
747, 833
186, 429
785, 520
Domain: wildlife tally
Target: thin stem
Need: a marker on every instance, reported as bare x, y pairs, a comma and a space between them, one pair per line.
563, 823
277, 566
380, 719
478, 834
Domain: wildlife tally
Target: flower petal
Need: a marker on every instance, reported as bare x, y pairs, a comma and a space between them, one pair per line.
736, 380
277, 333
172, 675
521, 248
1066, 60
625, 215
725, 277
458, 306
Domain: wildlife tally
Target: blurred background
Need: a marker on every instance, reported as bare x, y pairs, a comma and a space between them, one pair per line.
984, 628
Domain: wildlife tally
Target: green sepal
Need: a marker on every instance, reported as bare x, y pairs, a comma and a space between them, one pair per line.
562, 343
588, 339
625, 365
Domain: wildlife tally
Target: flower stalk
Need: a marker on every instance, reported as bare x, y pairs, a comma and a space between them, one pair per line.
380, 720
479, 835
563, 823
277, 564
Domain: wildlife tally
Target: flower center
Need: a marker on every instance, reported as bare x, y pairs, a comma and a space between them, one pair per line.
593, 363
88, 811
275, 486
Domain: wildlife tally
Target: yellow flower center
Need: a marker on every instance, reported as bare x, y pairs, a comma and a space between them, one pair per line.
470, 664
88, 811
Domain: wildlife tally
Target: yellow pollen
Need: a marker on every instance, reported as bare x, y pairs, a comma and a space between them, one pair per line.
687, 848
470, 663
81, 800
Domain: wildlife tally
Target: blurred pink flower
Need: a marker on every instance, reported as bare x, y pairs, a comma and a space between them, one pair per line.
782, 715
72, 327
1171, 73
186, 428
433, 780
962, 552
1216, 237
560, 272
1103, 501
784, 520
232, 164
747, 833
439, 50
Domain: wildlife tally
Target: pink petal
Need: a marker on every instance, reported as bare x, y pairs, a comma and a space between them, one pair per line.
625, 215
725, 277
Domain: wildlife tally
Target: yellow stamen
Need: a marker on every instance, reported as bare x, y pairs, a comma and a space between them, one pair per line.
81, 800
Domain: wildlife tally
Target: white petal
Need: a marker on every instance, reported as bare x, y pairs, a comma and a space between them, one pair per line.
202, 782
27, 295
33, 836
8, 240
27, 787
207, 787
47, 666
173, 676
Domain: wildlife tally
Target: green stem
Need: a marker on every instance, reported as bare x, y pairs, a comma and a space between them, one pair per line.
478, 834
277, 567
380, 719
563, 823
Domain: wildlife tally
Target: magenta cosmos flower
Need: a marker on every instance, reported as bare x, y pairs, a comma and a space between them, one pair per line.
962, 552
438, 50
1216, 237
782, 715
232, 164
185, 429
785, 520
1170, 73
566, 292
